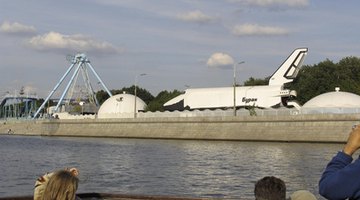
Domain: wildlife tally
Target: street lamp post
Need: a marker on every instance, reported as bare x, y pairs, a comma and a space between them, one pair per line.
234, 85
136, 79
81, 103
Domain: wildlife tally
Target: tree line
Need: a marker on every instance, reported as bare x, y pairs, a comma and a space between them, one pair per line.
313, 80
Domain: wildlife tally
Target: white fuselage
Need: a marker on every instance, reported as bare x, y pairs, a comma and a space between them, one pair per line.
259, 96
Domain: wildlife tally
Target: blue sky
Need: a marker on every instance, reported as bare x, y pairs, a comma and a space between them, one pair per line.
177, 43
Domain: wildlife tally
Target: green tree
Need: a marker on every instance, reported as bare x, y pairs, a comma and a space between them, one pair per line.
142, 93
256, 81
325, 76
160, 99
101, 96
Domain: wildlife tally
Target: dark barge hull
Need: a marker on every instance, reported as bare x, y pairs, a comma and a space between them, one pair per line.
106, 196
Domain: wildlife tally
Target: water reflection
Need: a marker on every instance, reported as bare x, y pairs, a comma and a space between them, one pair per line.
162, 167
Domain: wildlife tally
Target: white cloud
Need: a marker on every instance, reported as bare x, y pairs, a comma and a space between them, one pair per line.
220, 60
195, 16
79, 43
275, 3
257, 30
16, 28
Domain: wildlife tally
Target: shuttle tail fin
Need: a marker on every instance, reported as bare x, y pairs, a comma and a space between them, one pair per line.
288, 71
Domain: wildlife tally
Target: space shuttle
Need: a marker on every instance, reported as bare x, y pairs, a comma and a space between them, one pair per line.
273, 95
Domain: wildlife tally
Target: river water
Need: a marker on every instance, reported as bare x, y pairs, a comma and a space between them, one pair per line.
216, 169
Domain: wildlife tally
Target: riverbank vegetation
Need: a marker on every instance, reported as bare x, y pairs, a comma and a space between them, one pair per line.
313, 80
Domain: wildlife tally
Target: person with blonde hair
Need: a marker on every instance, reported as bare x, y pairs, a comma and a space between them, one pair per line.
59, 185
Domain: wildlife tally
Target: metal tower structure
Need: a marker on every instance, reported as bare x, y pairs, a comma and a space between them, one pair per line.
81, 63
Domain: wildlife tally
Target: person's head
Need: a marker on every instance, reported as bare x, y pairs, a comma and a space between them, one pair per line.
302, 195
61, 186
270, 188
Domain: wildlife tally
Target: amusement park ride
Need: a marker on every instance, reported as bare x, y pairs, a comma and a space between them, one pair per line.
79, 64
21, 105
